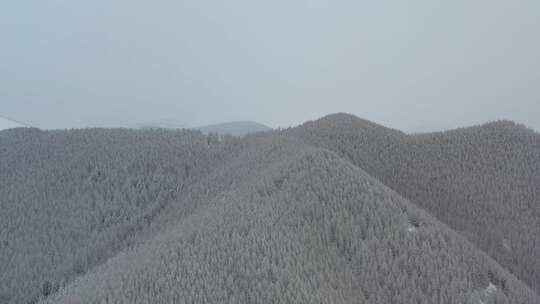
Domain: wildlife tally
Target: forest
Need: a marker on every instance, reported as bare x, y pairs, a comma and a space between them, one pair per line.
336, 210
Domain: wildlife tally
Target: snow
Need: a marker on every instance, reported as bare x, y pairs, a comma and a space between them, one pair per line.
412, 228
490, 289
506, 245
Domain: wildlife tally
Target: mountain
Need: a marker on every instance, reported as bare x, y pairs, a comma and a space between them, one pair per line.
238, 128
6, 123
285, 222
160, 124
70, 198
482, 181
338, 210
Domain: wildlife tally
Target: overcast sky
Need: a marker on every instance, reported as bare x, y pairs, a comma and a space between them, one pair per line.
405, 64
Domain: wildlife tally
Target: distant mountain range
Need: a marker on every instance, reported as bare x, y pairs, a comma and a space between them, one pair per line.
236, 128
160, 124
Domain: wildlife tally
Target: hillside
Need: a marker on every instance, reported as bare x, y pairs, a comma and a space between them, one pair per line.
238, 128
482, 181
298, 225
69, 198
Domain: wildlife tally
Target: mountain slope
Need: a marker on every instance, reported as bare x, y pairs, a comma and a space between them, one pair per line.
482, 181
137, 216
289, 223
69, 198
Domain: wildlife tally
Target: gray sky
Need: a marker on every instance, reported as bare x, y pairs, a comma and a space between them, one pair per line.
405, 64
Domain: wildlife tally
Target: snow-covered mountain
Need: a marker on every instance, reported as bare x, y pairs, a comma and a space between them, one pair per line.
234, 128
337, 210
160, 124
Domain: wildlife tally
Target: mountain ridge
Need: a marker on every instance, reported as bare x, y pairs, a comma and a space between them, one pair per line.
454, 174
234, 128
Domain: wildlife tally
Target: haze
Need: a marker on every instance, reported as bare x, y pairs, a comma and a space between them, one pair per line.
405, 64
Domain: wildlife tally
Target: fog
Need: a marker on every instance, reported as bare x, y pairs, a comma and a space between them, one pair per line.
412, 65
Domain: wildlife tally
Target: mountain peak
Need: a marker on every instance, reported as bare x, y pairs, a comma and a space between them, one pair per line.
350, 122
